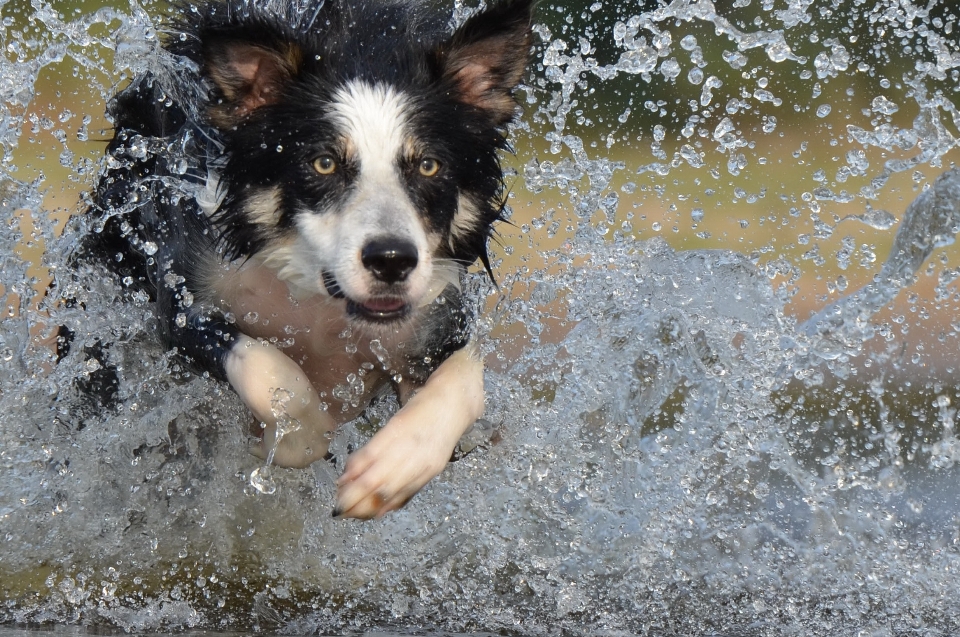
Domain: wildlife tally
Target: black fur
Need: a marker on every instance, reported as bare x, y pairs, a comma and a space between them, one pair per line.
176, 123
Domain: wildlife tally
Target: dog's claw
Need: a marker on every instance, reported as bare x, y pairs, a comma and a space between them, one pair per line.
337, 512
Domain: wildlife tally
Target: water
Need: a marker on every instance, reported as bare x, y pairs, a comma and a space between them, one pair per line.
721, 361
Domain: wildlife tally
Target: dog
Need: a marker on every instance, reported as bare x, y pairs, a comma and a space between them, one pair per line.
300, 187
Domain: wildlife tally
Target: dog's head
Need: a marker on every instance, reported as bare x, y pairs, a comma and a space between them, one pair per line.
362, 148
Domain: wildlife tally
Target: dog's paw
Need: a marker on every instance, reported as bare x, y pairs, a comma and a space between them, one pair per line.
388, 471
415, 445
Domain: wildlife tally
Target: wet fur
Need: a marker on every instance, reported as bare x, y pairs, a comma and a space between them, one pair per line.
213, 198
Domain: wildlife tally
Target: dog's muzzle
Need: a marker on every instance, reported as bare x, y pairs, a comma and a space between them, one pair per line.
390, 262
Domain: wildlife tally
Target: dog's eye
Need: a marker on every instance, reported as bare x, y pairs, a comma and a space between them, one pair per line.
429, 167
325, 165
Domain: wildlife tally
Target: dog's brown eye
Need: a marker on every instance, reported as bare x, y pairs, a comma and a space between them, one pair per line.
429, 167
325, 165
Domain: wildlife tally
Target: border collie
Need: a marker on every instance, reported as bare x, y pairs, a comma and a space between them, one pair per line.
300, 186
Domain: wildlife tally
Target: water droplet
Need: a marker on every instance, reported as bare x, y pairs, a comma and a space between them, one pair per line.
642, 60
378, 350
691, 156
262, 481
882, 105
670, 69
778, 52
724, 127
878, 219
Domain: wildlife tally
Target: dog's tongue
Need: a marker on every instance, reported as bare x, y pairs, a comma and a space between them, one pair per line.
384, 305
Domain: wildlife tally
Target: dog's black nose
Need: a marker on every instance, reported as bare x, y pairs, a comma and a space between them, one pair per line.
389, 260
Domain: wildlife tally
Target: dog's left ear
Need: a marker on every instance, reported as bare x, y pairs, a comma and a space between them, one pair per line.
486, 57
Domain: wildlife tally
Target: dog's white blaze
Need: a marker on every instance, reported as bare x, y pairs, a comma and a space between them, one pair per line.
373, 118
374, 122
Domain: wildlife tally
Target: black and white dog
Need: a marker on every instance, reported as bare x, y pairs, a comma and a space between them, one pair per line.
299, 188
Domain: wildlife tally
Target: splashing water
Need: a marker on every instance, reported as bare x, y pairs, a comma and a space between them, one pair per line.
715, 412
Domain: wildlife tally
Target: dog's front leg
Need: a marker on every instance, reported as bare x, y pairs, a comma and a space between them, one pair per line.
279, 394
416, 444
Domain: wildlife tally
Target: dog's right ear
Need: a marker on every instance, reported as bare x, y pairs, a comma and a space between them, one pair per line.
247, 75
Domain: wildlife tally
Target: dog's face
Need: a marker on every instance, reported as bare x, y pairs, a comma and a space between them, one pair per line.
362, 159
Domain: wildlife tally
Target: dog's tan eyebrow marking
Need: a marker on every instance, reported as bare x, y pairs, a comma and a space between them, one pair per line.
263, 206
467, 218
412, 148
348, 148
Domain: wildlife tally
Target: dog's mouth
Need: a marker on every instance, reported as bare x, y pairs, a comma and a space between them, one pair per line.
379, 309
